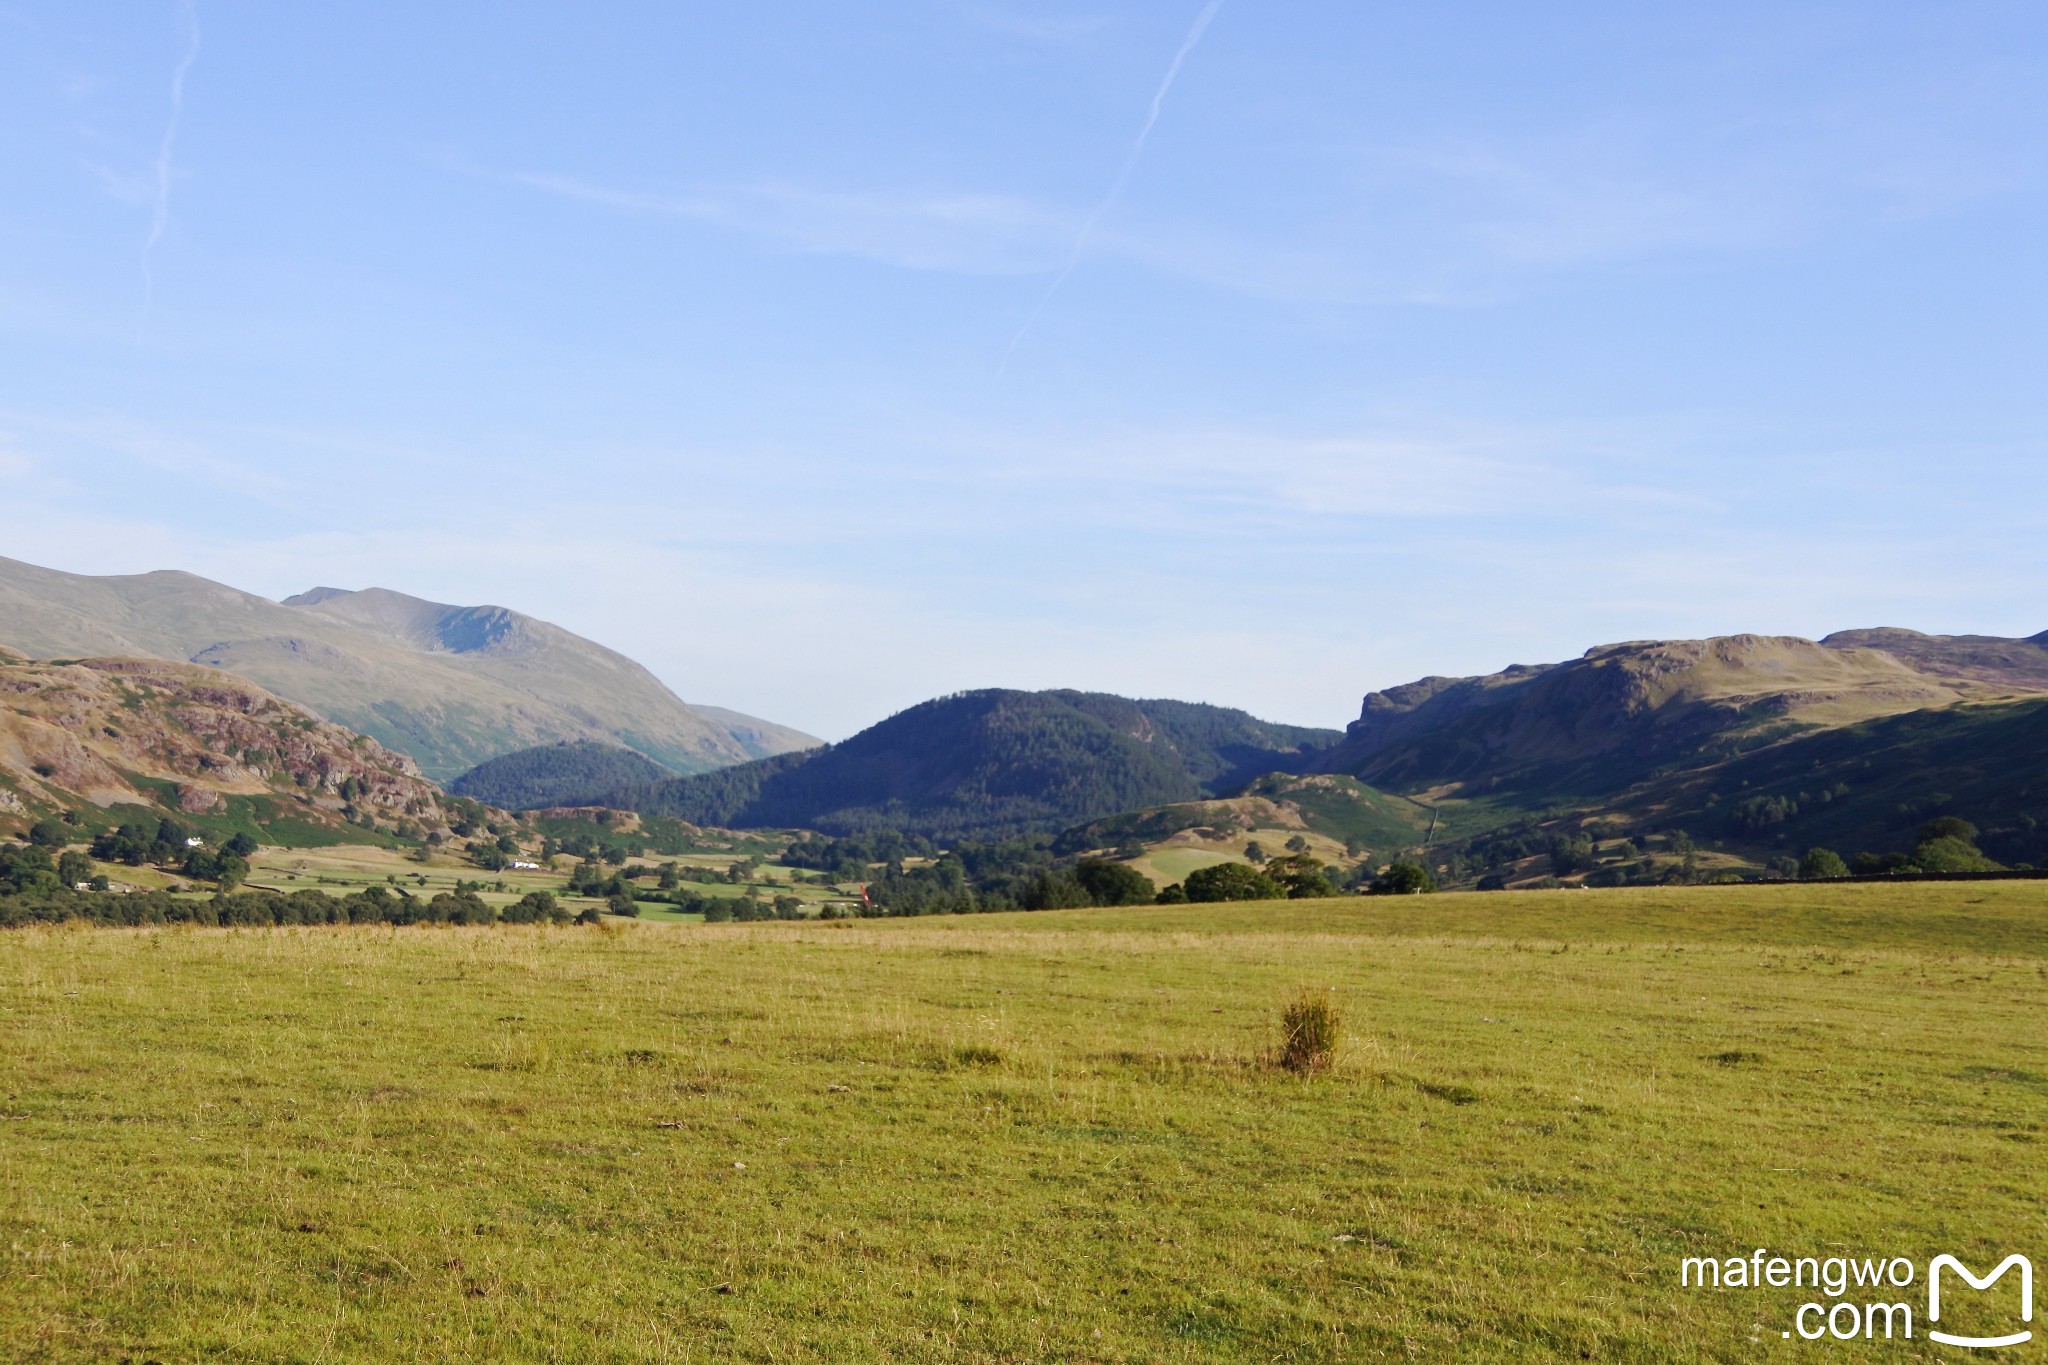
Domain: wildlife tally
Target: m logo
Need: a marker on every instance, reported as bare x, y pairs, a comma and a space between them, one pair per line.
2026, 1299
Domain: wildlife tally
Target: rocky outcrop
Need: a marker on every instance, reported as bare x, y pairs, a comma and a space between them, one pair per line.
120, 731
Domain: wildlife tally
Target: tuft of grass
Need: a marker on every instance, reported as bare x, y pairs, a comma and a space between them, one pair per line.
1309, 1026
1455, 1094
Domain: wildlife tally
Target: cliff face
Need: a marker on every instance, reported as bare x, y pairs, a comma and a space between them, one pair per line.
148, 732
1623, 711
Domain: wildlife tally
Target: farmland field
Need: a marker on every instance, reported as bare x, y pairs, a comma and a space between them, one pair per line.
1166, 866
1048, 1136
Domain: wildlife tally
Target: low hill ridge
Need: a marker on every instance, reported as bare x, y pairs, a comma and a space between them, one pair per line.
989, 763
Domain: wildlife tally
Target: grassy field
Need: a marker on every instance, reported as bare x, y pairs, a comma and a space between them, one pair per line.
1016, 1137
1167, 865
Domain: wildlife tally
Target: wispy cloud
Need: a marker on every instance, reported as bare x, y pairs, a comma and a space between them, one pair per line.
165, 450
920, 230
1243, 480
1509, 206
160, 202
968, 233
973, 232
1123, 175
1036, 27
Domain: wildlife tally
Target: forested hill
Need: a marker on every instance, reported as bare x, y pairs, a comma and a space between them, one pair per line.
991, 763
570, 773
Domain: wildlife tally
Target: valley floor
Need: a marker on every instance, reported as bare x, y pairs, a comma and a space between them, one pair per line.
1014, 1137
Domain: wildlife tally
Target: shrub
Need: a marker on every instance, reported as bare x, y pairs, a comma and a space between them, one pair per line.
460, 907
1948, 827
1300, 876
1060, 890
535, 907
1402, 879
1821, 863
1309, 1027
1947, 853
1113, 883
1231, 882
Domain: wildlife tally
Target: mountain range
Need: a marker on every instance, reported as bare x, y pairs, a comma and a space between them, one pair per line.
449, 686
1755, 744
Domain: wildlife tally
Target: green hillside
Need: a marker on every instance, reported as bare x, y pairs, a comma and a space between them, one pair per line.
988, 764
1869, 787
571, 773
1342, 809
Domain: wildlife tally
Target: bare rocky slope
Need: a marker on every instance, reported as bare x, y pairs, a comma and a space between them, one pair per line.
191, 740
450, 686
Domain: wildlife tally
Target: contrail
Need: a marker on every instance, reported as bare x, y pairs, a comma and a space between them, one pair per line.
1123, 176
160, 215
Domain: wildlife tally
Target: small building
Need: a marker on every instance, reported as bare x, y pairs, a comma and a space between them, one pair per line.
195, 842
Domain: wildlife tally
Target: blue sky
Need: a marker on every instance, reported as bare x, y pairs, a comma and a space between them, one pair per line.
828, 357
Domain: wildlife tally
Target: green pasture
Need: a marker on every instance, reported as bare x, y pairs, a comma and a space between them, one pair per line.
1165, 866
1050, 1137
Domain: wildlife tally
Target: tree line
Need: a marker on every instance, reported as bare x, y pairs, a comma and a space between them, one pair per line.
39, 904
